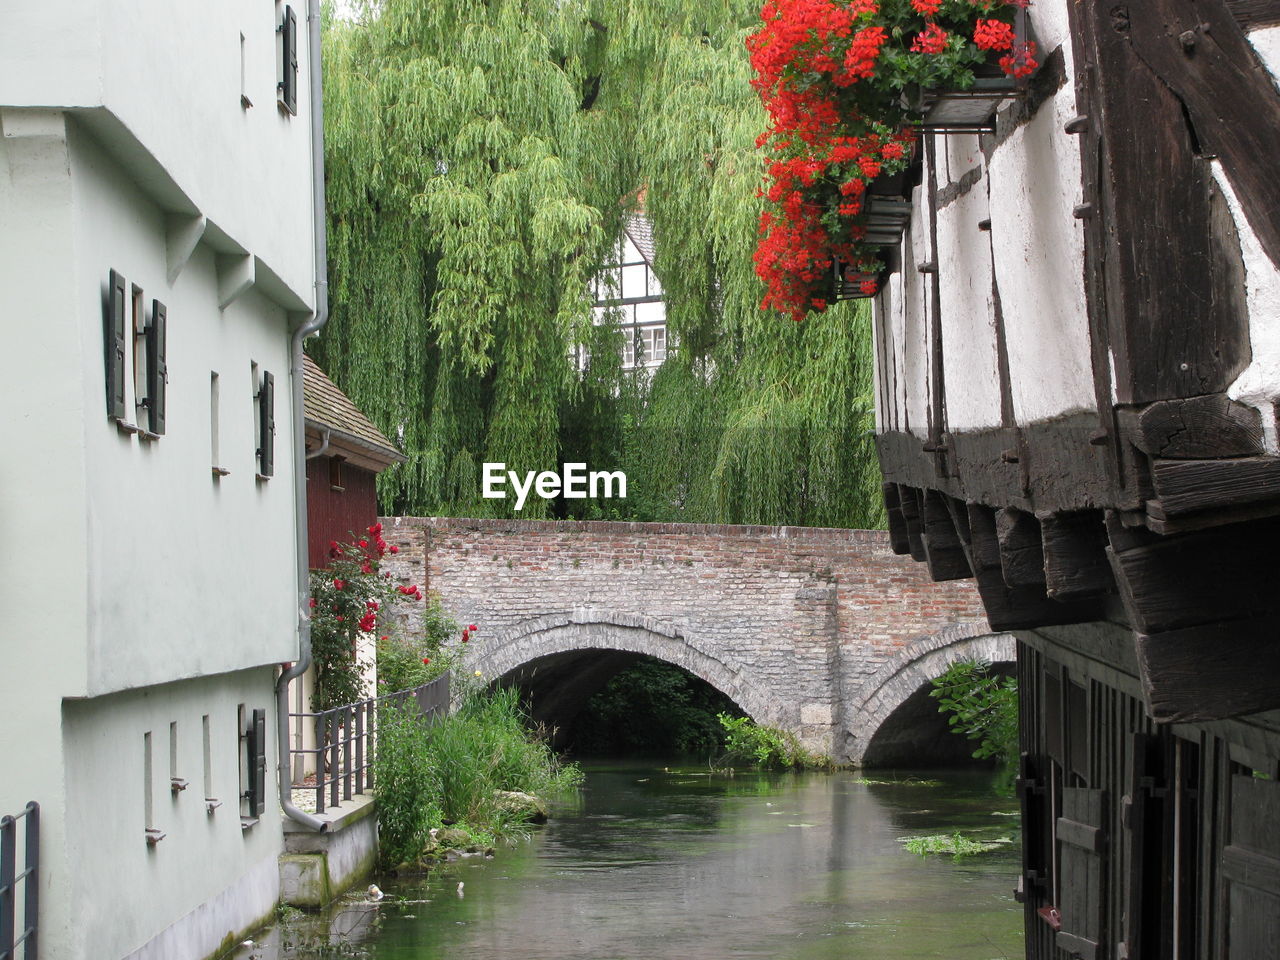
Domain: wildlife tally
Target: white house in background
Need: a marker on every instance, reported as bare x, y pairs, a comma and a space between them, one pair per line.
629, 290
156, 252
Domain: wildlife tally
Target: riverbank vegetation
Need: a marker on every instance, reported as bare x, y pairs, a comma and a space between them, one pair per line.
466, 780
748, 743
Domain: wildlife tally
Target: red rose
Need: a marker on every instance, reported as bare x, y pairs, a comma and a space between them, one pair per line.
363, 544
393, 548
426, 659
339, 584
473, 628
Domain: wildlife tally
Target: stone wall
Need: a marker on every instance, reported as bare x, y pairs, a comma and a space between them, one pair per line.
793, 620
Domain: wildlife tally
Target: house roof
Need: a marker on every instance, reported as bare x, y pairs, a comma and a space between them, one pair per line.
350, 432
638, 228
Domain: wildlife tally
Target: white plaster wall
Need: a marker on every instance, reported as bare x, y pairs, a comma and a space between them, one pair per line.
208, 877
42, 476
1259, 384
1039, 263
912, 333
187, 575
1267, 43
968, 314
167, 77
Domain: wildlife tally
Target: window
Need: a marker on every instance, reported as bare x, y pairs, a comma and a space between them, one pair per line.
215, 426
335, 474
244, 87
264, 409
153, 834
253, 765
288, 86
211, 803
126, 326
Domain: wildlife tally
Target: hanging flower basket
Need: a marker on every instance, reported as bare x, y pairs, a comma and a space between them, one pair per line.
850, 283
847, 84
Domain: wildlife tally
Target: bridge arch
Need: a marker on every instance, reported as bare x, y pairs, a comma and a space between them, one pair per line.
570, 655
891, 720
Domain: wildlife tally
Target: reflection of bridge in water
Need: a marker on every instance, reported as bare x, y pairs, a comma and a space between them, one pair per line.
821, 632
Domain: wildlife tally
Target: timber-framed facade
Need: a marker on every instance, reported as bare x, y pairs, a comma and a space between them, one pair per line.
1078, 359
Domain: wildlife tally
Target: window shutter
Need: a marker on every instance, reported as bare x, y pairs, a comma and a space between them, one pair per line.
256, 747
157, 368
1035, 829
289, 60
1082, 879
1251, 869
266, 425
115, 346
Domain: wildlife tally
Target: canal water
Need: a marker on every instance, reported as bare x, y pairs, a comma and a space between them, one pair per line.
652, 863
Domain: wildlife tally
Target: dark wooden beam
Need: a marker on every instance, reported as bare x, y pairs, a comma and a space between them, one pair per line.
1252, 14
1021, 549
899, 542
1075, 558
1014, 607
1190, 486
1196, 428
944, 551
909, 503
1211, 672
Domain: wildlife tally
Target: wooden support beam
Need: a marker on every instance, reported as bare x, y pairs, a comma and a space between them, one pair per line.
1014, 607
943, 549
1075, 558
1198, 428
899, 542
1211, 672
909, 501
1021, 550
1190, 486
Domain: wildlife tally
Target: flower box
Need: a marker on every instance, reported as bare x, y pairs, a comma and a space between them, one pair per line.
972, 110
848, 284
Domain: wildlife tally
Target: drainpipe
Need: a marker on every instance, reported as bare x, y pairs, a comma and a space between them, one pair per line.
311, 326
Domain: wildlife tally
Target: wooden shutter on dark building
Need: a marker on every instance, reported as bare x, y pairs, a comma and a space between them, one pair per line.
1082, 879
114, 336
157, 367
266, 425
1251, 869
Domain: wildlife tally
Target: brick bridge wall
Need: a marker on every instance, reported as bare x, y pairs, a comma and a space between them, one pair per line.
792, 622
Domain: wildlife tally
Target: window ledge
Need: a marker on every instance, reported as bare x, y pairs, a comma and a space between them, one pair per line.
264, 476
211, 804
154, 836
337, 489
126, 428
220, 472
247, 822
245, 102
148, 436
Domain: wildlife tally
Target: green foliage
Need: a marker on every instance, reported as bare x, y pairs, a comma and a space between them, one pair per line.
429, 773
654, 709
955, 844
768, 748
407, 782
983, 706
480, 158
406, 661
351, 601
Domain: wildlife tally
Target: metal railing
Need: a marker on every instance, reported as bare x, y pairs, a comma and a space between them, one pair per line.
10, 878
346, 739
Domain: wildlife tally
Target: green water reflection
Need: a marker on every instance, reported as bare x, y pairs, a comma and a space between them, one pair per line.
650, 863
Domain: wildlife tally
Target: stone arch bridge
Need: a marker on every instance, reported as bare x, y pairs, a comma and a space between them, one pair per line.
822, 632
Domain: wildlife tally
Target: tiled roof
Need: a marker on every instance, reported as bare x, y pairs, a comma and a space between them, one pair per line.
326, 406
640, 230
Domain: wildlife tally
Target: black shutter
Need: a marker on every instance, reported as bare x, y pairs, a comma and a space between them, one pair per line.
289, 60
157, 368
114, 337
1081, 883
1036, 833
266, 425
256, 747
1251, 868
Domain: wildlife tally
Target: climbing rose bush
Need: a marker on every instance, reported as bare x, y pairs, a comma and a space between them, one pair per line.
841, 81
350, 598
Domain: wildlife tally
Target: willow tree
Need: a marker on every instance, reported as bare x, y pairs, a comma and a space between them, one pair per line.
481, 157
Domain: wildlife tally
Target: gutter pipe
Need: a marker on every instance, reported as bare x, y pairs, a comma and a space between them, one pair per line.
310, 326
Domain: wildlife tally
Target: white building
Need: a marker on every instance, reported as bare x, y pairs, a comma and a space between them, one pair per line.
156, 256
629, 290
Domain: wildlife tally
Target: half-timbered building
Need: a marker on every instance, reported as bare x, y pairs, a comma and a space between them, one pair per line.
1078, 360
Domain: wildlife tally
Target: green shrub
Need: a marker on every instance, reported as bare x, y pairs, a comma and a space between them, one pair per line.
983, 706
406, 661
450, 770
746, 742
